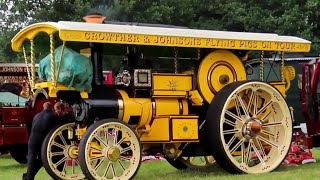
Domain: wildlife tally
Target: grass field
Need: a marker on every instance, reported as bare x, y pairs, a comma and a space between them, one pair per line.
10, 170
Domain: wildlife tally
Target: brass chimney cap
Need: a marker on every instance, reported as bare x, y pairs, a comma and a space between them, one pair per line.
94, 18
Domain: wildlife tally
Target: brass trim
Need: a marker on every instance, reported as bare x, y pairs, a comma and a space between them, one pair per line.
169, 74
153, 102
136, 78
36, 93
121, 109
170, 96
153, 106
219, 63
180, 107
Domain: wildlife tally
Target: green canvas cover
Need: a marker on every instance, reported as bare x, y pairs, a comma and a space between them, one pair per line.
76, 70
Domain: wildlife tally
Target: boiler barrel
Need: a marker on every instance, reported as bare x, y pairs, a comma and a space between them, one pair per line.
103, 108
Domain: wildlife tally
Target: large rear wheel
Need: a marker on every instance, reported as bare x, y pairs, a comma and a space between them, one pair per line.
249, 127
110, 149
60, 153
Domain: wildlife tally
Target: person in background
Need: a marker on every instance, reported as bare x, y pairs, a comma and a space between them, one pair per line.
59, 109
41, 125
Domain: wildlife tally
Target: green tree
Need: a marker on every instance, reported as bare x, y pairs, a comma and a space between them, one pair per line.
292, 17
16, 14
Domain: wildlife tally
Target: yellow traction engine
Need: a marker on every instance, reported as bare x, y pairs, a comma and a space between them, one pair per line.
199, 117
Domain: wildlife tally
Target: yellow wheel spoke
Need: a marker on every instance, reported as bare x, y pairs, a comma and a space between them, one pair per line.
65, 165
97, 158
255, 107
232, 140
120, 163
265, 116
107, 170
56, 153
121, 141
252, 98
246, 113
95, 148
263, 131
125, 149
61, 161
99, 164
101, 141
248, 153
62, 139
261, 147
243, 153
125, 158
272, 124
113, 171
59, 145
237, 145
227, 121
255, 149
231, 131
77, 161
106, 135
267, 141
234, 116
264, 108
237, 107
73, 164
115, 137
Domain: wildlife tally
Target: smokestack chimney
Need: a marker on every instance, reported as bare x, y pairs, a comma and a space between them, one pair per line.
96, 50
94, 18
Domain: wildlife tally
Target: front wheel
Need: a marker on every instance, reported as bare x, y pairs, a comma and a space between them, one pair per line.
249, 127
59, 153
110, 149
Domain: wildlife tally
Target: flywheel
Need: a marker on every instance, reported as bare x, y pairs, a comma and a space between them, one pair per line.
218, 69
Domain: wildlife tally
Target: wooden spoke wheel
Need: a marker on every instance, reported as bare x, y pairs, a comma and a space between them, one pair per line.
249, 127
197, 162
110, 149
60, 154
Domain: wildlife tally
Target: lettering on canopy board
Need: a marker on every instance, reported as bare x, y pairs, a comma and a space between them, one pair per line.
181, 41
12, 69
13, 79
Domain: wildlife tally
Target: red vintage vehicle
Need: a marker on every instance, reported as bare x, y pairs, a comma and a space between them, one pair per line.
16, 114
15, 117
310, 98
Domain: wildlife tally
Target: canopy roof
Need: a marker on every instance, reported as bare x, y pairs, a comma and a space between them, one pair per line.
162, 36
